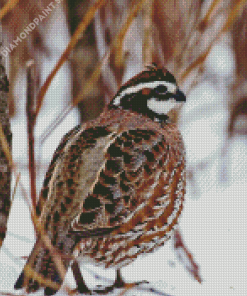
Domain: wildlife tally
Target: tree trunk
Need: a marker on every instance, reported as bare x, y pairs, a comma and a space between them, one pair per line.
5, 134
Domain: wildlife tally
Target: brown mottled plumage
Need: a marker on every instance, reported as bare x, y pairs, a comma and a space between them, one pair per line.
116, 185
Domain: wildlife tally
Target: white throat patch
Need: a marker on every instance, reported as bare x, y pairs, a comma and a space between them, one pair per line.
161, 107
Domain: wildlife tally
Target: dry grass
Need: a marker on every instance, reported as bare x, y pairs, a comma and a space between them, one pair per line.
176, 34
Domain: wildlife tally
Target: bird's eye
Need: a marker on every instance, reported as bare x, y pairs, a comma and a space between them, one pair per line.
161, 89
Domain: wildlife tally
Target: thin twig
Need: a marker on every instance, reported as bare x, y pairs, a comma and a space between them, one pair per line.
118, 42
7, 7
31, 119
145, 289
147, 47
5, 146
89, 84
30, 129
56, 256
185, 256
211, 9
74, 39
15, 187
10, 294
231, 18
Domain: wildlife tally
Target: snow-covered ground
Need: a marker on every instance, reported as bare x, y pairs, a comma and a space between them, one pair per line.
213, 223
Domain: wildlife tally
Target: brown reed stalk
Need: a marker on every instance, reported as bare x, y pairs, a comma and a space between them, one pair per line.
90, 83
147, 48
233, 13
74, 39
8, 7
31, 118
30, 103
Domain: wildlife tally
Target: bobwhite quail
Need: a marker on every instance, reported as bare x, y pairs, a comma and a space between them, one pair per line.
116, 185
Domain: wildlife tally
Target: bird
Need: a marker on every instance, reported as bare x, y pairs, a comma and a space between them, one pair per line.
115, 187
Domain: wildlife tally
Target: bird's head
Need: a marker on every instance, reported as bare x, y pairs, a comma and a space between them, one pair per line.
153, 92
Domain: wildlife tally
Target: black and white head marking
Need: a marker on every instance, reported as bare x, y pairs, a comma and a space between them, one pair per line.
153, 93
152, 85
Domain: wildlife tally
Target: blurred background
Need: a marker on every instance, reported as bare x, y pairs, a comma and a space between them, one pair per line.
82, 52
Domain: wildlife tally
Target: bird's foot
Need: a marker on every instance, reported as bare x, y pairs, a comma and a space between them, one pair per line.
117, 285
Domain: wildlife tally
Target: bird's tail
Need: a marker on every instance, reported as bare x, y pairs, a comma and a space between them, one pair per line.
40, 270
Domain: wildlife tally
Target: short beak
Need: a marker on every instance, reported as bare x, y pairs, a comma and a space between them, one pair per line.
179, 96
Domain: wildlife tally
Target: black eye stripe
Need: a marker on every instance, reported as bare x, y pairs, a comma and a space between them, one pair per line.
160, 89
164, 97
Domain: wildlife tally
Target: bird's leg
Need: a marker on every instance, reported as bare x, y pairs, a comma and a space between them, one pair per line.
81, 285
119, 283
83, 289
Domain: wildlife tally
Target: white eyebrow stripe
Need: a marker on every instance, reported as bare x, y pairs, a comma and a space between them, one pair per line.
134, 89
